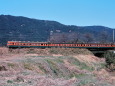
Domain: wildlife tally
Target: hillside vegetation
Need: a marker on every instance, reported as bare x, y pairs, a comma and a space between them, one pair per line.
52, 67
28, 29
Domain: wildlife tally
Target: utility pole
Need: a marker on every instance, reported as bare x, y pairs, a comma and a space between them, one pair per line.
113, 36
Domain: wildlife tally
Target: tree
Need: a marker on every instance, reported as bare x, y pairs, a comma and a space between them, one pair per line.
103, 37
88, 37
59, 37
73, 37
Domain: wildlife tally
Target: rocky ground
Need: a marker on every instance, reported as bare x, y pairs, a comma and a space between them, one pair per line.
53, 67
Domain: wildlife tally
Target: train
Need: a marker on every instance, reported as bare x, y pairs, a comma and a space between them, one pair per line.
29, 44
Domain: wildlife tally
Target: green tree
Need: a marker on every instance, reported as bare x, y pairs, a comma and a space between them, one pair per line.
110, 59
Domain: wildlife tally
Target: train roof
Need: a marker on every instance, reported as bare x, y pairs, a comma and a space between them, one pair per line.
28, 41
55, 43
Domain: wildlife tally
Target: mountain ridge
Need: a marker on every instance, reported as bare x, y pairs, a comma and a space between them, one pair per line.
21, 28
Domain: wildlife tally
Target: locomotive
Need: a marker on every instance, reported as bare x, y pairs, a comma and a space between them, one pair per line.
29, 44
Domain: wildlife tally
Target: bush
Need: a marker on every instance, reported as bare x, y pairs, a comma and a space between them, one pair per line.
9, 81
110, 59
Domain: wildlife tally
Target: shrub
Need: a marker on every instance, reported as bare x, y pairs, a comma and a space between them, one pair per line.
110, 59
9, 81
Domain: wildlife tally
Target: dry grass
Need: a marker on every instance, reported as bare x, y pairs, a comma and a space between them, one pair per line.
47, 51
3, 51
69, 51
51, 67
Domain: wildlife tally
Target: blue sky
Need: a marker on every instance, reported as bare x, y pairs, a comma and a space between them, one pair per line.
69, 12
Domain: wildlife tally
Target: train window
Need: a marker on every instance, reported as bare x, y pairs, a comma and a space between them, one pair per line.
17, 44
109, 45
83, 44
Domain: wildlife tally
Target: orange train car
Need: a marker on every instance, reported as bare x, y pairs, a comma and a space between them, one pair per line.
28, 44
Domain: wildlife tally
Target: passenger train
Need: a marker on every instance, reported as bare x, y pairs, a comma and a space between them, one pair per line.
28, 44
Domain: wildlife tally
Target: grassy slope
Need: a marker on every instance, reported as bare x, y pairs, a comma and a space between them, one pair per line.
52, 67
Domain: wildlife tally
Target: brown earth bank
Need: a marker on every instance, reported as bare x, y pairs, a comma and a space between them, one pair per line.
53, 67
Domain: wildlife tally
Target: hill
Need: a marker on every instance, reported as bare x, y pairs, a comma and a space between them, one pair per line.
27, 29
53, 67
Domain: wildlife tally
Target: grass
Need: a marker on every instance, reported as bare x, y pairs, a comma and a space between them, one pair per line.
31, 51
58, 60
53, 67
25, 73
12, 65
76, 75
82, 65
69, 51
41, 66
48, 68
28, 66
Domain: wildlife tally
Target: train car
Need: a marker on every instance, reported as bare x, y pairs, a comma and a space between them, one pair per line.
28, 44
